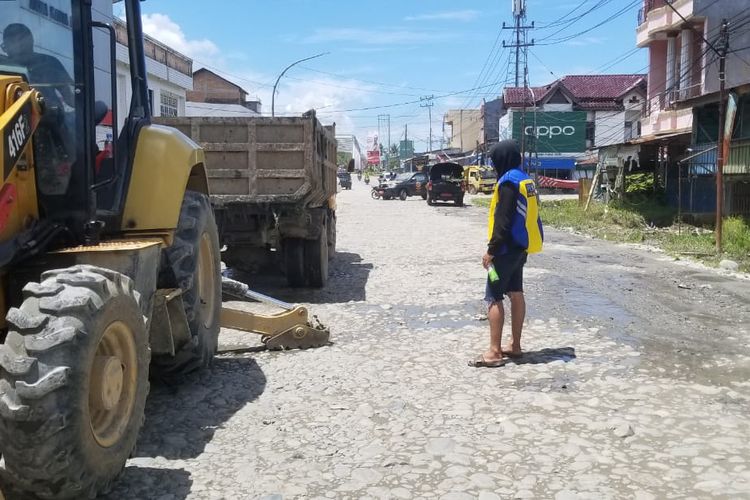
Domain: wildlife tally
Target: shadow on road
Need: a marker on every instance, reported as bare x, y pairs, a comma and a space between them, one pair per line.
172, 483
347, 281
182, 419
547, 355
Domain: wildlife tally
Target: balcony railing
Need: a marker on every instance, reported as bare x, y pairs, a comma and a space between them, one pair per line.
643, 11
671, 97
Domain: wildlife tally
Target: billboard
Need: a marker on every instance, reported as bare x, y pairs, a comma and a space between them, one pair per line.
551, 132
373, 149
405, 149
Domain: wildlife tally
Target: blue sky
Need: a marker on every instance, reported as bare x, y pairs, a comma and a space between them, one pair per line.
390, 52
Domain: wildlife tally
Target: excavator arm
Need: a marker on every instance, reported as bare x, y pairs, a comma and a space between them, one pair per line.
292, 328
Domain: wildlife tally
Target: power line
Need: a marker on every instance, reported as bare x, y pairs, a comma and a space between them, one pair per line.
570, 22
559, 20
611, 18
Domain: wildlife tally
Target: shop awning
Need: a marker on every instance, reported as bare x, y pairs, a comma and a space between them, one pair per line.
550, 163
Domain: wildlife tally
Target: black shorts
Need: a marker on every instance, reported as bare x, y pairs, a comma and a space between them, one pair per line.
509, 267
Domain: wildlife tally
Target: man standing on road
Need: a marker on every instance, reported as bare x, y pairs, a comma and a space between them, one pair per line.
514, 231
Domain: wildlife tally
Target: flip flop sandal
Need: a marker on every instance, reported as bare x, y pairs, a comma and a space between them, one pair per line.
480, 362
511, 354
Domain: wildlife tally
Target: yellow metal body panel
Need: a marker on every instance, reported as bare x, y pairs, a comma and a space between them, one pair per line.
128, 245
17, 124
166, 164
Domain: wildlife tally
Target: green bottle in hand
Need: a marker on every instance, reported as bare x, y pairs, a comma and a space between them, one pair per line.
492, 274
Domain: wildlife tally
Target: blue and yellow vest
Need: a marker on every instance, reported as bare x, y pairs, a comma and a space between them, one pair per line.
526, 226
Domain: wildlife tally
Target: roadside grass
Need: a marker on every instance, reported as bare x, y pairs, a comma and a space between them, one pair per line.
481, 202
651, 223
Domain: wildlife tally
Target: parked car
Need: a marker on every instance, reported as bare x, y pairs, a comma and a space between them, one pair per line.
446, 183
405, 185
345, 180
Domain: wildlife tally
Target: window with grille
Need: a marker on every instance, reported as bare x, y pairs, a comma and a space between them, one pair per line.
169, 103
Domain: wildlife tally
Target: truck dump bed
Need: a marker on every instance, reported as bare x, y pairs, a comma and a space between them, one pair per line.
263, 160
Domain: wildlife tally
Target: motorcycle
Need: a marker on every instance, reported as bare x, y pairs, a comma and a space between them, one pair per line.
367, 180
376, 193
359, 176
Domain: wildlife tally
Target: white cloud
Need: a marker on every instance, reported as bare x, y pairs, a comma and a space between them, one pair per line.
587, 40
168, 32
455, 15
374, 36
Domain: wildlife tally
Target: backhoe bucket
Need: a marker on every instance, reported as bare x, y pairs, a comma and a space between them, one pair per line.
290, 329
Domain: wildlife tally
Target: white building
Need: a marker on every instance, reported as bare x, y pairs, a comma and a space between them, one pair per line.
349, 145
169, 73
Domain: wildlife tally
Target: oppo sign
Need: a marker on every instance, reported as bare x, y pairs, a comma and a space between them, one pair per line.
550, 131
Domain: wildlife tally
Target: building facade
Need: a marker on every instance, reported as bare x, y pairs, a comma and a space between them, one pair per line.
557, 123
683, 109
464, 128
209, 87
169, 73
348, 149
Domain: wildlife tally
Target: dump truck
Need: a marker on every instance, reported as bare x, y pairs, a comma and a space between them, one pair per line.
273, 189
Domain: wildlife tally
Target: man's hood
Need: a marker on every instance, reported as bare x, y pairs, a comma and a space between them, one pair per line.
505, 155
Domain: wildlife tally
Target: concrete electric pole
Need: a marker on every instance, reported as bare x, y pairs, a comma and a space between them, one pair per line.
428, 102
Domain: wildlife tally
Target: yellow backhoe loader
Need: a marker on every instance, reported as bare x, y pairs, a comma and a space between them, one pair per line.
109, 254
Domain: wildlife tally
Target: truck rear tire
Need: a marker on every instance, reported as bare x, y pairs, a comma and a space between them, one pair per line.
472, 190
316, 260
193, 263
331, 228
74, 377
294, 261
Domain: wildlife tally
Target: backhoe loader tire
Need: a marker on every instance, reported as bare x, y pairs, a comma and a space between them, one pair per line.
316, 260
294, 262
193, 263
73, 384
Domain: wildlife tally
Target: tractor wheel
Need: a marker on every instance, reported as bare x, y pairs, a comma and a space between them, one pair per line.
402, 195
73, 383
316, 260
331, 228
193, 263
294, 261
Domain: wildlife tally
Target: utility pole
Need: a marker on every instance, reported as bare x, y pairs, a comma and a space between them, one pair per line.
519, 15
720, 51
428, 102
384, 127
520, 29
720, 144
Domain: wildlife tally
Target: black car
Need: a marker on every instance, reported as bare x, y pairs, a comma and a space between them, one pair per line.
345, 180
446, 183
405, 185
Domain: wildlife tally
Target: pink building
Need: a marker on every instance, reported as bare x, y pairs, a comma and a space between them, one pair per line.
683, 38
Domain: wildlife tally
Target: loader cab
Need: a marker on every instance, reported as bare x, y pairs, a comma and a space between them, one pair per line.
66, 50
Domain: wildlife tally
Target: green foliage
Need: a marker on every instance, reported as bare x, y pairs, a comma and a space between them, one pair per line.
736, 234
342, 158
635, 223
639, 183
